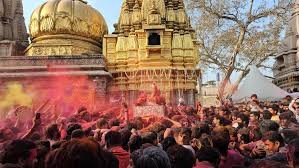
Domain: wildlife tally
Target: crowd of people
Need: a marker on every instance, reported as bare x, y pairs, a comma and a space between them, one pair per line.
253, 134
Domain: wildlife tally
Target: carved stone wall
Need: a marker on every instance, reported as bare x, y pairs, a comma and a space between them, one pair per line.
135, 63
12, 28
286, 67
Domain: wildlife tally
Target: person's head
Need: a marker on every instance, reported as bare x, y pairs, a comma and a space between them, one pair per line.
255, 134
273, 141
168, 142
134, 143
125, 137
43, 148
242, 120
289, 134
78, 133
135, 156
6, 134
185, 136
86, 116
254, 116
114, 123
71, 128
208, 154
293, 153
274, 109
77, 153
253, 97
81, 109
153, 157
243, 136
180, 157
285, 119
102, 124
267, 115
220, 142
268, 125
21, 152
52, 132
222, 111
203, 116
112, 139
296, 106
267, 164
58, 144
150, 137
218, 120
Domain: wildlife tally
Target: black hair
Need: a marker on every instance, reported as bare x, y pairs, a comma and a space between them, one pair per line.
72, 127
288, 135
253, 95
220, 118
135, 143
244, 118
288, 115
267, 115
77, 153
101, 122
168, 142
256, 114
15, 150
208, 154
113, 138
275, 108
293, 148
180, 157
78, 133
153, 157
114, 122
221, 143
125, 138
149, 137
52, 132
273, 136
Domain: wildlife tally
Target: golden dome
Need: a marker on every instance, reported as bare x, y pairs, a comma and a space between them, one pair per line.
67, 22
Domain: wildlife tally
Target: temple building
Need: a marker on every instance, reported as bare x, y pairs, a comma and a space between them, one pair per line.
13, 35
286, 67
153, 42
66, 47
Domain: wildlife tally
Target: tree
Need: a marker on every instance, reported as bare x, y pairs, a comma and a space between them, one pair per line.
235, 34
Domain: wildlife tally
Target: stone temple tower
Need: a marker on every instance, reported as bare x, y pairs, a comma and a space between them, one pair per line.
13, 34
286, 67
153, 42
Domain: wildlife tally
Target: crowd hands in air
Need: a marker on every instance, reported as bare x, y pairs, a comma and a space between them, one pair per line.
253, 134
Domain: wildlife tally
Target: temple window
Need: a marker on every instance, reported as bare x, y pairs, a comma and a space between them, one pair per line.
154, 39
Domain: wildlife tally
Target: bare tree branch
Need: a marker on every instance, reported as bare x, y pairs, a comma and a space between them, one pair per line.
236, 34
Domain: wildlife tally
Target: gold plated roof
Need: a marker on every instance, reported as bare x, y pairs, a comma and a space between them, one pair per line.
66, 27
73, 17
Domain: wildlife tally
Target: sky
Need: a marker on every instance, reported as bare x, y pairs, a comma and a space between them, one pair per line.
110, 9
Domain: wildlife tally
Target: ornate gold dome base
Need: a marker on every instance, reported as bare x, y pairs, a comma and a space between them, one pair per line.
62, 44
